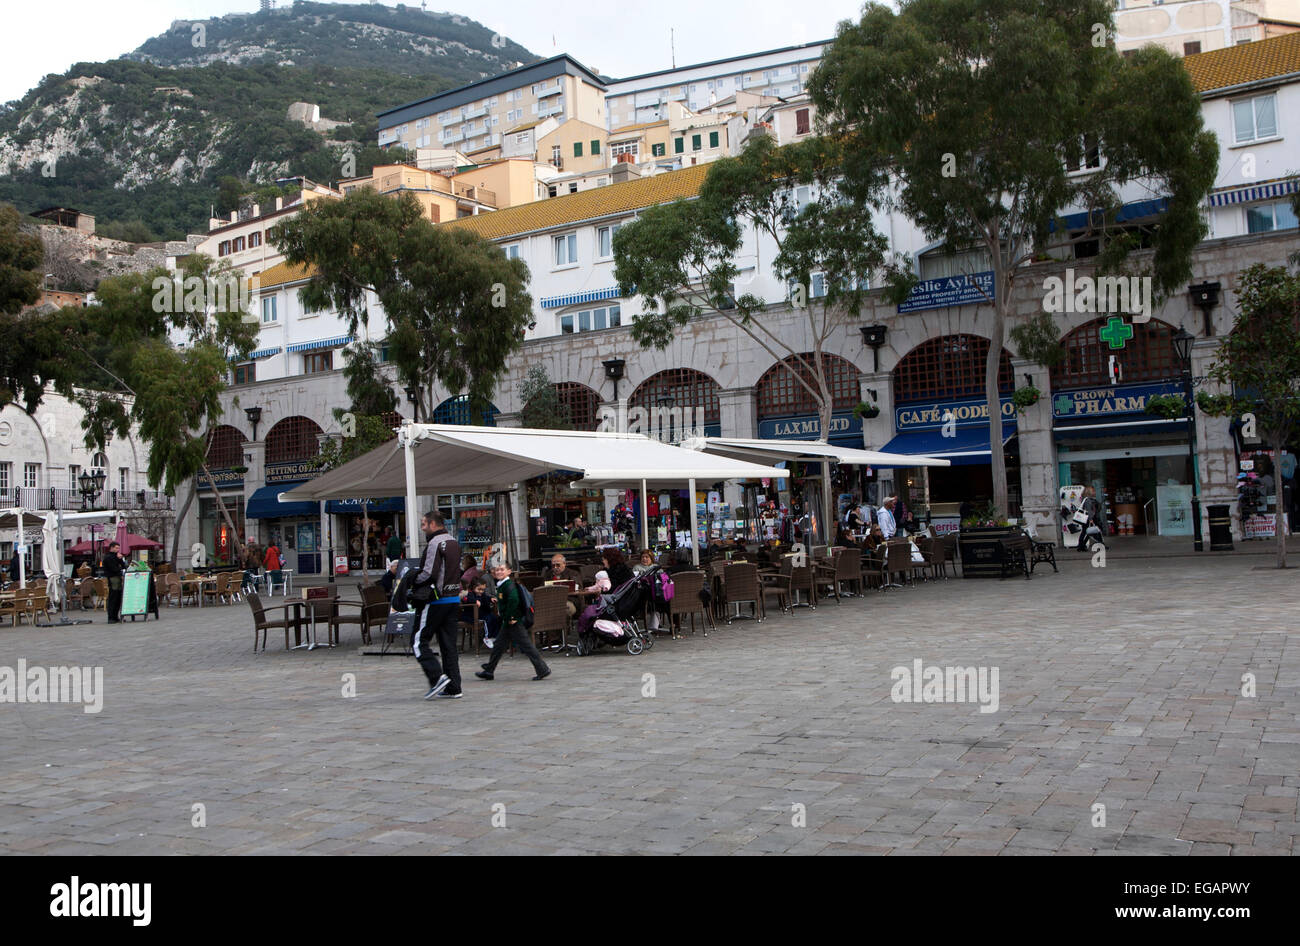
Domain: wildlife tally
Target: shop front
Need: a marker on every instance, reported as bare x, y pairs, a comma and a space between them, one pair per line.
360, 529
1137, 464
471, 519
214, 532
295, 527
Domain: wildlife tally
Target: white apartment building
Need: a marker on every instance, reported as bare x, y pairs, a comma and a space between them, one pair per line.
242, 240
776, 72
480, 114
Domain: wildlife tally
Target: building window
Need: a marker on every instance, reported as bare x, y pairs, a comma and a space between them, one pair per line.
1085, 155
779, 393
696, 143
223, 248
255, 239
74, 471
314, 362
6, 475
679, 145
566, 249
658, 150
124, 478
225, 448
936, 264
951, 366
713, 139
268, 310
1263, 218
551, 191
681, 388
1192, 48
577, 149
590, 320
605, 240
624, 147
556, 159
1148, 356
573, 188
294, 438
1255, 118
246, 374
31, 475
802, 124
512, 251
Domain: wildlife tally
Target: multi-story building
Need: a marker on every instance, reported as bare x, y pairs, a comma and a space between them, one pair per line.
776, 73
1187, 27
241, 240
442, 196
1088, 426
478, 115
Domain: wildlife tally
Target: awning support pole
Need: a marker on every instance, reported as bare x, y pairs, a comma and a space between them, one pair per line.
645, 518
412, 515
21, 541
695, 538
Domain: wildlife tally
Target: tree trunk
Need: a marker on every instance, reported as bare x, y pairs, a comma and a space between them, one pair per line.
180, 517
826, 531
1278, 529
994, 397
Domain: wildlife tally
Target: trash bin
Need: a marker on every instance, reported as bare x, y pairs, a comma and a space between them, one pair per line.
1220, 528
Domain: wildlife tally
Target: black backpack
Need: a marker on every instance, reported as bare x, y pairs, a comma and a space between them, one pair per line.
529, 614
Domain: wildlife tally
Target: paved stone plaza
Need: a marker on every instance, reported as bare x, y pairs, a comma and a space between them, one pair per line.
1118, 686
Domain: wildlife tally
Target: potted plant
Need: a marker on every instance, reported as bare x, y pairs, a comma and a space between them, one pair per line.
1025, 397
864, 411
979, 542
1168, 406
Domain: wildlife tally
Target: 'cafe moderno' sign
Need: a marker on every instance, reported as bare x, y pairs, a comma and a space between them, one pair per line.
934, 414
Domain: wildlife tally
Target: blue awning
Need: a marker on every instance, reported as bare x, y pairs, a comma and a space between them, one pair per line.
265, 503
1261, 191
260, 353
577, 298
323, 343
353, 507
1134, 211
968, 447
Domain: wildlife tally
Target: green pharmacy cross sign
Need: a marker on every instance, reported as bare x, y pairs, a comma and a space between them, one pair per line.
1116, 332
1063, 404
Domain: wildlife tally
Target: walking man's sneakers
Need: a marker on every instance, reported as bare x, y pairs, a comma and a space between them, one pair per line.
437, 688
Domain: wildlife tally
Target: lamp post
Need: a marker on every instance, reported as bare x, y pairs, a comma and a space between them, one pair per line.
614, 372
1183, 346
413, 395
91, 484
1205, 296
874, 336
254, 415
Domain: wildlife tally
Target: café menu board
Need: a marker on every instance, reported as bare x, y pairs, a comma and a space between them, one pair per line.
135, 592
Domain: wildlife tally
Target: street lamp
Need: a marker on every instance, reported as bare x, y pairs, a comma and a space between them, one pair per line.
1205, 296
413, 395
1183, 340
873, 335
254, 415
614, 372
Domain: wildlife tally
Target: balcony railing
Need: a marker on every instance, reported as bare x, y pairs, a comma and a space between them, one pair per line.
480, 194
49, 499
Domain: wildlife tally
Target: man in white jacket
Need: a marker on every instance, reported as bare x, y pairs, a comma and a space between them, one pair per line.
885, 517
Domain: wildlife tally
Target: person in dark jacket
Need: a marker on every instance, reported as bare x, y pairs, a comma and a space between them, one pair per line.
114, 566
439, 610
1092, 509
13, 565
510, 610
392, 547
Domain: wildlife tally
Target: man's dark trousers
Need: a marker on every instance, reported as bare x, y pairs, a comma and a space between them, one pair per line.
523, 639
114, 599
440, 621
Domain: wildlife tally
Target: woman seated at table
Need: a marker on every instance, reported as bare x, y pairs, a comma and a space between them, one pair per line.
844, 537
646, 563
875, 538
614, 574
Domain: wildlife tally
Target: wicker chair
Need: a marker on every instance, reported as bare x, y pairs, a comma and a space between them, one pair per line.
101, 594
260, 622
741, 583
927, 567
687, 600
86, 592
802, 578
898, 561
776, 583
373, 612
550, 614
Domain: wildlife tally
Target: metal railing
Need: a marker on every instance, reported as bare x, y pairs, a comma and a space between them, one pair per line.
69, 500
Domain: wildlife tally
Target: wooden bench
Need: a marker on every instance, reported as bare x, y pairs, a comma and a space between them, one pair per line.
1041, 552
1016, 551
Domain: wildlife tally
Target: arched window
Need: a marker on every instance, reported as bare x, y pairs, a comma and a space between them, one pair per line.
581, 402
457, 410
294, 438
779, 393
1148, 356
680, 388
225, 448
948, 367
99, 462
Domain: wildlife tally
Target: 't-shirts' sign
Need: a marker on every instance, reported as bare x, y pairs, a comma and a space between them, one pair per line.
949, 290
1121, 399
933, 415
807, 427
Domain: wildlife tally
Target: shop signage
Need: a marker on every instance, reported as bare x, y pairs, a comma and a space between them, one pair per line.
1263, 525
1120, 399
807, 427
933, 415
225, 479
286, 472
949, 290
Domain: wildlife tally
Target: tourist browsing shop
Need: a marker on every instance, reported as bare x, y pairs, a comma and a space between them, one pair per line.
1138, 463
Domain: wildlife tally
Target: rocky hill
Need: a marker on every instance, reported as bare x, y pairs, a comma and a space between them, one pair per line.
144, 142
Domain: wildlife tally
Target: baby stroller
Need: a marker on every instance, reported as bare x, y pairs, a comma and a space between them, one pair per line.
612, 618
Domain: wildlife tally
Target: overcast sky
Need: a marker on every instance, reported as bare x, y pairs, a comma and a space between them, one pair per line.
626, 37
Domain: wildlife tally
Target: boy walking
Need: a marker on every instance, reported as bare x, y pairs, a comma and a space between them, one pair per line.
510, 610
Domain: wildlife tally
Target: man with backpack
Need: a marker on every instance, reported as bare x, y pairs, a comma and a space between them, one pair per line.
435, 591
514, 608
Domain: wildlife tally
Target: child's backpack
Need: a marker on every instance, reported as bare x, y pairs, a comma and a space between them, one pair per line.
526, 602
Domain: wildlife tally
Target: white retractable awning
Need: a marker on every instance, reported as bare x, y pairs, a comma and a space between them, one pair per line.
806, 450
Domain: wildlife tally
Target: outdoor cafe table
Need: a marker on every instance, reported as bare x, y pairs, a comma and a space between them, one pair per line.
199, 583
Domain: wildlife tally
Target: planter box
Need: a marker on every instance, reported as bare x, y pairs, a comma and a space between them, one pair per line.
981, 551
